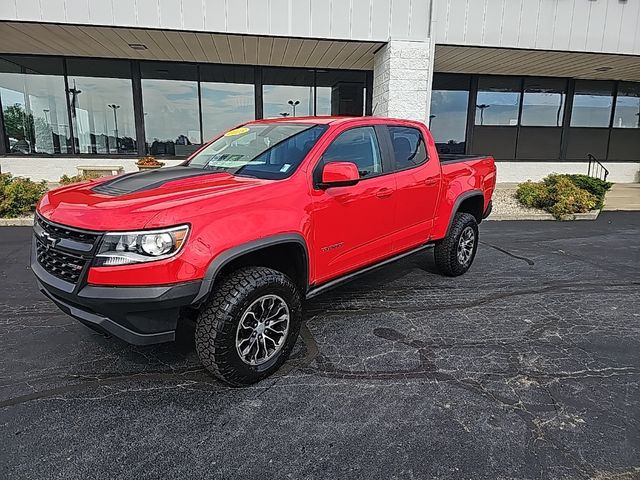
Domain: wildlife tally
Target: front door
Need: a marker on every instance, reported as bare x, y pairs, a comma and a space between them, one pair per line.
353, 225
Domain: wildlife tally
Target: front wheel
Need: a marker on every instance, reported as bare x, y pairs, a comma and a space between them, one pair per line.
455, 253
249, 326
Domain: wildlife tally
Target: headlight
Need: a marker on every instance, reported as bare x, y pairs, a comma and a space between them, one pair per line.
124, 248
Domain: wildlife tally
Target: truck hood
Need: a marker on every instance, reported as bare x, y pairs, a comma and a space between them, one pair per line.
131, 201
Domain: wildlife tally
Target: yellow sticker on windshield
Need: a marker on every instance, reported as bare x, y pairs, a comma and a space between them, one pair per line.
236, 131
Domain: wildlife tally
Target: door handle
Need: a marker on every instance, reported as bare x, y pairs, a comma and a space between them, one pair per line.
384, 192
431, 181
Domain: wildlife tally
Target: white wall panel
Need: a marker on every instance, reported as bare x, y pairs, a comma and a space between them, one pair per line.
492, 26
279, 15
629, 28
475, 11
258, 11
148, 13
361, 18
193, 14
55, 9
546, 18
579, 26
380, 21
595, 29
529, 22
341, 19
301, 18
237, 11
8, 9
100, 12
456, 20
122, 14
373, 20
400, 19
215, 19
78, 11
321, 18
511, 22
602, 26
420, 20
27, 9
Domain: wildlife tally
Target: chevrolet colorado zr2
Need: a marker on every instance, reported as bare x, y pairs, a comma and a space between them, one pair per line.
266, 215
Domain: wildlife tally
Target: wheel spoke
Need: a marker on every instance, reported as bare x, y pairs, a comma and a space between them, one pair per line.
267, 320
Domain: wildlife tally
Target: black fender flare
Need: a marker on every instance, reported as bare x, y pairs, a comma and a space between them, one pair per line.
231, 254
461, 198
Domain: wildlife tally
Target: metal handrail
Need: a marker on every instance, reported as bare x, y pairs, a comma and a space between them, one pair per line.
596, 169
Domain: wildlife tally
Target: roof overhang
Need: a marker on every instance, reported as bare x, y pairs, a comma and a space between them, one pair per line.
172, 45
544, 63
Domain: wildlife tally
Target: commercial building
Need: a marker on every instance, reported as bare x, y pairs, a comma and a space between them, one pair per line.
539, 84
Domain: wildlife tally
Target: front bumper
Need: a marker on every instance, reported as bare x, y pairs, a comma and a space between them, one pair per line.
137, 315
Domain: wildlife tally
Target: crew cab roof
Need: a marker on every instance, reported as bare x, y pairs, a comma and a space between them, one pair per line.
329, 120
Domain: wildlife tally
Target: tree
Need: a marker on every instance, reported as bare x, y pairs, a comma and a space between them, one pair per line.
19, 125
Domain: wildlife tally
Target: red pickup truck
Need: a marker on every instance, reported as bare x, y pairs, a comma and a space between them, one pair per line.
264, 216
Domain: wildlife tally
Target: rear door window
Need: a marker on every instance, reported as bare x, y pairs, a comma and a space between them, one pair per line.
408, 145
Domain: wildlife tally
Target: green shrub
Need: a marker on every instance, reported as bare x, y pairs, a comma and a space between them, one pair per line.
66, 180
533, 194
18, 196
558, 195
594, 186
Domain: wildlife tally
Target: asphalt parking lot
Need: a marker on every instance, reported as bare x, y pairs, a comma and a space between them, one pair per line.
526, 367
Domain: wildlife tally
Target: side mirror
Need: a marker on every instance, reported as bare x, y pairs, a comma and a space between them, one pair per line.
339, 174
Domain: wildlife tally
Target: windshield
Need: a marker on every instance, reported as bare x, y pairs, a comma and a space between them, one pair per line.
270, 151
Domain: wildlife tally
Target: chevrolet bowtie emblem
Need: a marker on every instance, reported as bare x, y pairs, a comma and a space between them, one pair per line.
48, 240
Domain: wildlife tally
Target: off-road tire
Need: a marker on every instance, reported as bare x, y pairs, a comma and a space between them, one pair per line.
446, 250
218, 321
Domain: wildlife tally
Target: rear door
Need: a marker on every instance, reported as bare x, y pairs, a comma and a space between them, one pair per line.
353, 225
417, 175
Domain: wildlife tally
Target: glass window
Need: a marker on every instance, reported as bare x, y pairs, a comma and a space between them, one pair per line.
340, 92
287, 92
543, 102
358, 145
592, 103
269, 151
102, 108
627, 113
33, 105
498, 101
227, 97
408, 147
171, 112
448, 118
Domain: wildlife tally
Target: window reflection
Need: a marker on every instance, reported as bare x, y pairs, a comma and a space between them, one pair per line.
102, 113
448, 119
287, 92
171, 111
340, 92
543, 103
592, 104
498, 101
627, 114
225, 105
33, 105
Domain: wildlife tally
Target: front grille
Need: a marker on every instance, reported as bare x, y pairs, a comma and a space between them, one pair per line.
60, 231
60, 264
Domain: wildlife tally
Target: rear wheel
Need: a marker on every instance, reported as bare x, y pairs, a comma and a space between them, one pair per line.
249, 326
455, 253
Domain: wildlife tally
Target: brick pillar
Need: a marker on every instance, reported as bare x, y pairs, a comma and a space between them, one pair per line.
402, 75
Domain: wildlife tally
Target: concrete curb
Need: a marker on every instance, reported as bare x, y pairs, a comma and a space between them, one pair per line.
16, 222
592, 215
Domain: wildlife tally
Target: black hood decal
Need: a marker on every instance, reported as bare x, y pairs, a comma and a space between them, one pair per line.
147, 180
